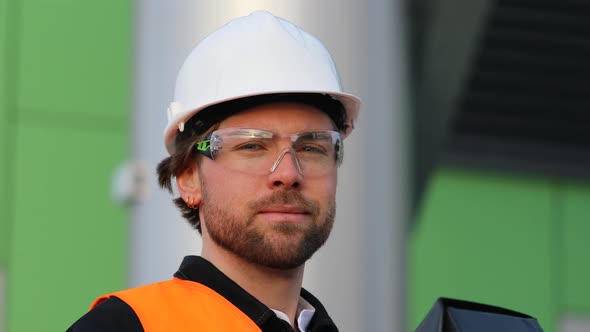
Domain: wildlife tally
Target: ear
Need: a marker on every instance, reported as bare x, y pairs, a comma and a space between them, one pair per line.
189, 186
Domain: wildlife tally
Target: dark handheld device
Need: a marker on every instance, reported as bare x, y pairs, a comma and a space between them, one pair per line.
450, 315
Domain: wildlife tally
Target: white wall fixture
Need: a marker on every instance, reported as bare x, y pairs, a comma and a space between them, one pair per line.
130, 182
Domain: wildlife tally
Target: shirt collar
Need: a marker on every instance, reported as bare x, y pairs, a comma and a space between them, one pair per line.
305, 312
198, 269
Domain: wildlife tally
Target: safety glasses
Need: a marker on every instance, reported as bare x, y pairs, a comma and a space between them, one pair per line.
256, 151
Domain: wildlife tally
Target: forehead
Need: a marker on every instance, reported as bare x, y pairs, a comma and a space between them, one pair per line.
281, 117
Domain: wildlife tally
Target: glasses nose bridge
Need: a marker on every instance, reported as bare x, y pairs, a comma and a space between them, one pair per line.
282, 154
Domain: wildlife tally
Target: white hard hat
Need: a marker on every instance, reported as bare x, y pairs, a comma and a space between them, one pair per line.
254, 55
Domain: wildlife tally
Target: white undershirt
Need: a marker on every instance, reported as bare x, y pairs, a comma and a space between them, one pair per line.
305, 312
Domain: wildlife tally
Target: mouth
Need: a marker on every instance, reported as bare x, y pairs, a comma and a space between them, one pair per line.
284, 213
284, 209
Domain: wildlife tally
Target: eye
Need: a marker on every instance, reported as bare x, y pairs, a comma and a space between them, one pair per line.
312, 149
250, 146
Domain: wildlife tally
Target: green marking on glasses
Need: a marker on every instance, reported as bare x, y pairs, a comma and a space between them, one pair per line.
203, 145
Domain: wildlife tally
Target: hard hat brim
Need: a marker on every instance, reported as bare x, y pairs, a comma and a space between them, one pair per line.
351, 104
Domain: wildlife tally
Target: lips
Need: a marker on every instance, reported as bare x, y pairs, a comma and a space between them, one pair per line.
285, 209
284, 213
285, 206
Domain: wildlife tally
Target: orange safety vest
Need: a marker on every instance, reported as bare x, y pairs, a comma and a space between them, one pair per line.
182, 305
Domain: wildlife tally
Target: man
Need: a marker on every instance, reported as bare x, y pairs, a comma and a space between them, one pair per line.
255, 138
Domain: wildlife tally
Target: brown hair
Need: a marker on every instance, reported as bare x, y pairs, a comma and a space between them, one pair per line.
182, 159
208, 119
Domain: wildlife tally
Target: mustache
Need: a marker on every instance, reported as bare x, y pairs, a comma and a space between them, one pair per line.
286, 198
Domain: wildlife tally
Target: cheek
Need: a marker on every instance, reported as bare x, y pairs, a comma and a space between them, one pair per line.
223, 187
328, 188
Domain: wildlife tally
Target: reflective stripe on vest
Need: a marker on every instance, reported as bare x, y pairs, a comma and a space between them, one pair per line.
182, 305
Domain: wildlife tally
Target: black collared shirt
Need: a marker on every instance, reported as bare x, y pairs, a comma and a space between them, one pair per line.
115, 315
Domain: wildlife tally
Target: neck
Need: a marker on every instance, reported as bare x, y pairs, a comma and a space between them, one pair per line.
277, 289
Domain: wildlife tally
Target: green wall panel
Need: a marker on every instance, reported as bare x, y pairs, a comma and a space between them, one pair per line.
576, 249
75, 59
64, 109
3, 58
69, 239
4, 214
485, 238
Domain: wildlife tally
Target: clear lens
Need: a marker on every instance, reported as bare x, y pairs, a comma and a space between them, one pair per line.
258, 151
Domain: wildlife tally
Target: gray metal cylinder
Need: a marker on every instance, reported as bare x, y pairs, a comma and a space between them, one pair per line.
358, 275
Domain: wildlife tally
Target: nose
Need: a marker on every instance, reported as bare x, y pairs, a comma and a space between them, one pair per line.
286, 171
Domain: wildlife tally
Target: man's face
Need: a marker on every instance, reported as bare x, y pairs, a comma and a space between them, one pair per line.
275, 219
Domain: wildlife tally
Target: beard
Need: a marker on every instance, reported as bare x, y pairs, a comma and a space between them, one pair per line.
275, 245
